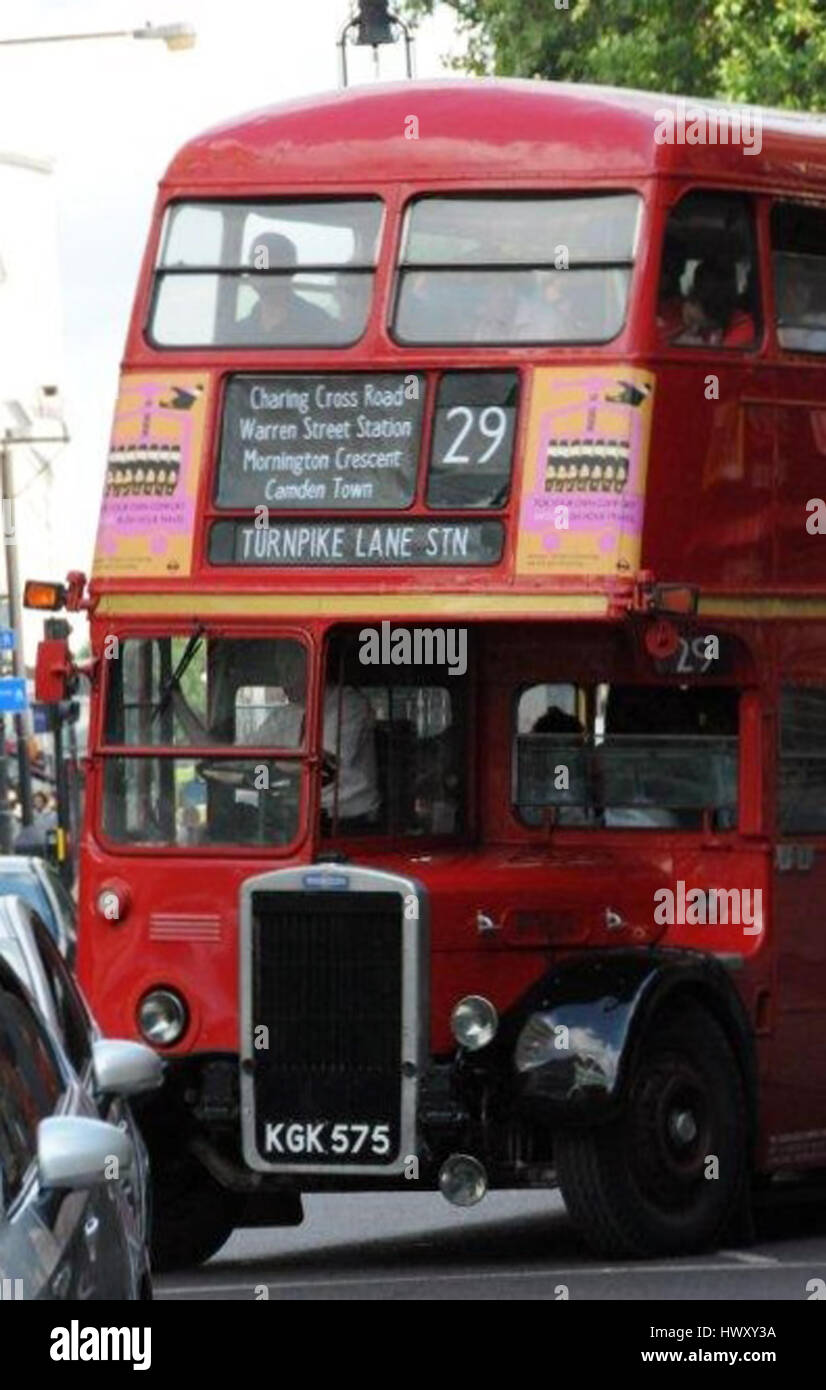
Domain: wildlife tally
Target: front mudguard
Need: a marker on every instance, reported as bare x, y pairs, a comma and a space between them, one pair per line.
570, 1042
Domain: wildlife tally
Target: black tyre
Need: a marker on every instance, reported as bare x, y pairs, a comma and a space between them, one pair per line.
192, 1215
639, 1186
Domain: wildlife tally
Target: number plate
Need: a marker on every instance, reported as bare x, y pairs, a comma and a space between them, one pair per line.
325, 1139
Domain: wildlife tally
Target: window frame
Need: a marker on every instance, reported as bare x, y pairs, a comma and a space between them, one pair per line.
585, 695
793, 687
401, 266
776, 202
753, 199
158, 270
465, 725
303, 756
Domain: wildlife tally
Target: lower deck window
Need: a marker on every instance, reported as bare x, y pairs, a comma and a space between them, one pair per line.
399, 765
186, 802
627, 756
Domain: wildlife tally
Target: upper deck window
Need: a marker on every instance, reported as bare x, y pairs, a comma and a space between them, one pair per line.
709, 295
516, 270
798, 235
268, 274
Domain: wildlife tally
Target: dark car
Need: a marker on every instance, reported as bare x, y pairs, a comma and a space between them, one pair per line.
66, 1227
107, 1071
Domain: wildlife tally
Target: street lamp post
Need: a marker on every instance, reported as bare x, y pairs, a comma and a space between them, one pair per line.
15, 604
175, 36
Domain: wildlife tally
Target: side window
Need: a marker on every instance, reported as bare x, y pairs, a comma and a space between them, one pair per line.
394, 739
709, 295
30, 1087
72, 1014
550, 766
798, 240
417, 734
637, 756
802, 760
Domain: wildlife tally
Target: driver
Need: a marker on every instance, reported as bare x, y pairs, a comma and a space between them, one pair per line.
349, 775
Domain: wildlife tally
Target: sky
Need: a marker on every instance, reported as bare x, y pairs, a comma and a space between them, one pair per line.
110, 114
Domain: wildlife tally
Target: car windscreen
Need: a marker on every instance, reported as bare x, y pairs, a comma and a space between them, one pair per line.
30, 889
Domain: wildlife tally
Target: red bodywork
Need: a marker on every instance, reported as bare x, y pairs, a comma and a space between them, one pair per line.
725, 511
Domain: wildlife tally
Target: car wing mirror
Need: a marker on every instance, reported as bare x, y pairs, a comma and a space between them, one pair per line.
125, 1068
76, 1152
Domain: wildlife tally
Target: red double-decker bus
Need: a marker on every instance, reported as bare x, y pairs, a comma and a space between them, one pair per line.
456, 790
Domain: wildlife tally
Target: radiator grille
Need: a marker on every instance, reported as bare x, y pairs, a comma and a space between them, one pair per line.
327, 984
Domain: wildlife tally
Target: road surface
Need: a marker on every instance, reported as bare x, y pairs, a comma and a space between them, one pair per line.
513, 1245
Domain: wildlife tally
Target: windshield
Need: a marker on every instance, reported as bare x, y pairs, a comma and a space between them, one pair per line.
265, 274
218, 695
516, 270
627, 756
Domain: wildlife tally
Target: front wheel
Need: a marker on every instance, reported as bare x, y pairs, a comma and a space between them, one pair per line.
670, 1173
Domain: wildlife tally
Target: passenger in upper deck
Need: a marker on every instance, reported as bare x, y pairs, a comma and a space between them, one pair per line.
710, 313
801, 326
546, 313
280, 314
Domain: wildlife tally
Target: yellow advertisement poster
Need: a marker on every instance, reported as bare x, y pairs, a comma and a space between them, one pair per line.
583, 486
147, 520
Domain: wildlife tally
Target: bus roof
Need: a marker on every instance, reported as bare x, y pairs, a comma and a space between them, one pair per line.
484, 129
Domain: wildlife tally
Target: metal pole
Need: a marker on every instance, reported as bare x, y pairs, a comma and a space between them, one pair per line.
69, 38
73, 783
16, 625
61, 783
6, 816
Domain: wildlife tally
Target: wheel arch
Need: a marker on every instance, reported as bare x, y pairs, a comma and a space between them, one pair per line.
608, 1001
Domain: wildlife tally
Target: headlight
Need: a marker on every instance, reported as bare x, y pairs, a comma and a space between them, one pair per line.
474, 1022
162, 1017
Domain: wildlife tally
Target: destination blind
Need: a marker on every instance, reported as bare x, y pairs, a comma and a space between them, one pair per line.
348, 543
320, 442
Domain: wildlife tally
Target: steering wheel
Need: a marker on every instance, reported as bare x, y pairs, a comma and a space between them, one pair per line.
224, 772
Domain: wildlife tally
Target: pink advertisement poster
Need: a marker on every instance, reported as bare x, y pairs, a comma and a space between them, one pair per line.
583, 489
147, 520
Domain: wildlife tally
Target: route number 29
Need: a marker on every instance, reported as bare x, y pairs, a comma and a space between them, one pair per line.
692, 657
489, 421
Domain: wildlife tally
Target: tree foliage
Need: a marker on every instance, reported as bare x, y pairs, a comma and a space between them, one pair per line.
767, 52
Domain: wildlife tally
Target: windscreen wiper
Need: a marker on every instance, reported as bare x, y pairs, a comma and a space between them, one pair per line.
172, 682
